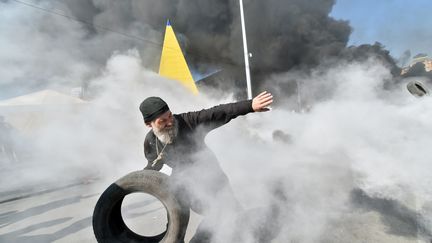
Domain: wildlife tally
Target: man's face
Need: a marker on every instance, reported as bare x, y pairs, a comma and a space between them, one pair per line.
164, 121
165, 127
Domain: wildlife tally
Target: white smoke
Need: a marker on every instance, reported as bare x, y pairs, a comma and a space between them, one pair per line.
355, 134
360, 136
39, 44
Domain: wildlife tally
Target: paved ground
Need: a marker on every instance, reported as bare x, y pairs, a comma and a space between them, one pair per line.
65, 215
62, 212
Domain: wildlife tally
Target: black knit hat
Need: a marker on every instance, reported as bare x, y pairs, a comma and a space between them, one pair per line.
152, 107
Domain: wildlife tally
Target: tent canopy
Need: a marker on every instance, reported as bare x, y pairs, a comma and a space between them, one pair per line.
44, 97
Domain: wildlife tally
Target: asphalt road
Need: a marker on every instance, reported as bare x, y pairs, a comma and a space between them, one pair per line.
62, 212
65, 215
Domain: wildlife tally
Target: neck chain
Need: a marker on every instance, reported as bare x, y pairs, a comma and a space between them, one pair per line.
159, 154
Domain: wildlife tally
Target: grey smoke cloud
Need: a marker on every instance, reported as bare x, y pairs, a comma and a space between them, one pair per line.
56, 52
282, 35
358, 137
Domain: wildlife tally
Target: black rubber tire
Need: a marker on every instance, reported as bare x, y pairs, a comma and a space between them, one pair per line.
108, 224
417, 88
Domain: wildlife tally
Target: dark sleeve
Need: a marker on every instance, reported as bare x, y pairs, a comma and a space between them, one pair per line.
150, 153
217, 116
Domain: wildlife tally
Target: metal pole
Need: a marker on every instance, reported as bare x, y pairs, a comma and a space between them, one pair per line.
246, 53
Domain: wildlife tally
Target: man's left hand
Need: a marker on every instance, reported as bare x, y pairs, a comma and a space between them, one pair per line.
261, 102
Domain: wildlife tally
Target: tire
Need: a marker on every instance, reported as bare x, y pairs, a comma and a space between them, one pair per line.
417, 89
108, 224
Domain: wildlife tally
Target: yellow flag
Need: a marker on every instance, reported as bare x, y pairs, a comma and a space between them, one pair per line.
173, 64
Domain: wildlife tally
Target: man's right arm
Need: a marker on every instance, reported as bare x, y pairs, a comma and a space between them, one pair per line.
217, 116
222, 114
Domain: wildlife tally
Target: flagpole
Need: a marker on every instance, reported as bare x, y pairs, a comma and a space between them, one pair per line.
246, 53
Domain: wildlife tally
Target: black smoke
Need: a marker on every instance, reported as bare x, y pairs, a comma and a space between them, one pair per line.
283, 35
418, 70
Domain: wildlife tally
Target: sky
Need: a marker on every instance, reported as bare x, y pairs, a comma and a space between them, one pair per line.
398, 24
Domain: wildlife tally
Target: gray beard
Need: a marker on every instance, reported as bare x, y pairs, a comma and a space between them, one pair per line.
167, 135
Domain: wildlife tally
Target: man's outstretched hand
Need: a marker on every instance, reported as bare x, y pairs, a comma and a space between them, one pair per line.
261, 101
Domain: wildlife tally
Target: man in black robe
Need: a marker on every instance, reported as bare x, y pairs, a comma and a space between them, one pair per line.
178, 141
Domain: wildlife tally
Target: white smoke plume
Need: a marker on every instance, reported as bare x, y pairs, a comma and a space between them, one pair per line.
359, 138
